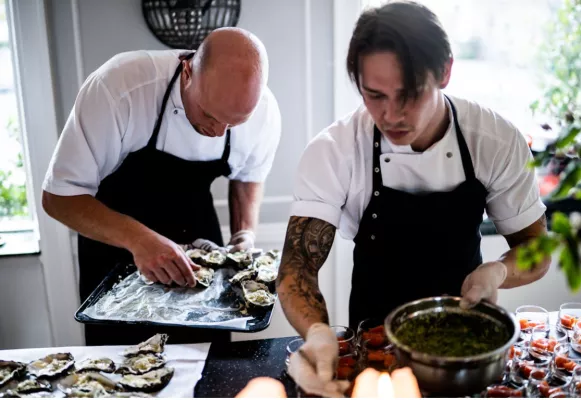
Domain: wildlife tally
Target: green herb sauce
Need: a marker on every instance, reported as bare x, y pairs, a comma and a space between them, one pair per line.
451, 334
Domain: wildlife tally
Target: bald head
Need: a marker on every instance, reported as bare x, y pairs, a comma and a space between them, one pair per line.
226, 79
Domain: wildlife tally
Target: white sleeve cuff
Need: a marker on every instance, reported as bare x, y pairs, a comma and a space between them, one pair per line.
521, 221
315, 209
58, 190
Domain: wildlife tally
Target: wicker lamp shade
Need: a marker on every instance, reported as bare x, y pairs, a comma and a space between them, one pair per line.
183, 24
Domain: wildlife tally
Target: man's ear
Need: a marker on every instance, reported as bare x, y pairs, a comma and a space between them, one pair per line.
447, 73
187, 69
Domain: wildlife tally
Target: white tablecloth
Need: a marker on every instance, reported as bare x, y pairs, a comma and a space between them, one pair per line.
188, 361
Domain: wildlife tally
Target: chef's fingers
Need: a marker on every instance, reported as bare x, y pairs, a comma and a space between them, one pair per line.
472, 297
149, 276
366, 384
161, 276
172, 270
263, 388
186, 266
405, 384
326, 365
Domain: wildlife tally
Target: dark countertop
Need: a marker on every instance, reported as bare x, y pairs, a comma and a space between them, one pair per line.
229, 367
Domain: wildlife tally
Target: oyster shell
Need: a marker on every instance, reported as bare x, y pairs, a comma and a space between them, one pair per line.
51, 365
266, 274
141, 364
242, 259
196, 255
243, 276
87, 384
204, 276
264, 261
99, 364
10, 370
214, 259
154, 344
9, 394
273, 253
257, 294
152, 381
33, 385
126, 395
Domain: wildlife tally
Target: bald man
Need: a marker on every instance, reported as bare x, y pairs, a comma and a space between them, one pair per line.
148, 134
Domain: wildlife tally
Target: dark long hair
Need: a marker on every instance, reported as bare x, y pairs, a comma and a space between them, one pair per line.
410, 30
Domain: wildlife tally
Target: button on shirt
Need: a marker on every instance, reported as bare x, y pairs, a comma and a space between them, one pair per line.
334, 179
115, 113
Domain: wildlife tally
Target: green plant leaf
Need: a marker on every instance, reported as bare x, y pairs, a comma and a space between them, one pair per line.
560, 224
568, 179
567, 136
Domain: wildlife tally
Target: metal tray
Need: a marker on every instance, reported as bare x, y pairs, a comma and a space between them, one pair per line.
261, 321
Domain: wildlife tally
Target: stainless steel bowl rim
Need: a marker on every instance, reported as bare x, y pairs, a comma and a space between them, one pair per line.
419, 356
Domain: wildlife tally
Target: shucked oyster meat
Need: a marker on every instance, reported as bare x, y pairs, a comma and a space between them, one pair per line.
214, 259
141, 364
242, 259
152, 381
257, 294
266, 274
243, 276
51, 365
204, 276
99, 364
32, 385
265, 261
87, 384
196, 255
154, 344
10, 370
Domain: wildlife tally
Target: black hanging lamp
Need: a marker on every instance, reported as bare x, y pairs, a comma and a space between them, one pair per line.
183, 24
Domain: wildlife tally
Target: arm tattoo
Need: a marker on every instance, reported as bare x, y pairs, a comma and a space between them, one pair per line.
536, 229
307, 245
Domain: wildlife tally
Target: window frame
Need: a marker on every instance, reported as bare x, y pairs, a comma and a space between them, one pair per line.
30, 44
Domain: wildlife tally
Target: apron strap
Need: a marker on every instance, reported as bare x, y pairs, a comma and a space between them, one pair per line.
226, 153
377, 181
464, 151
153, 139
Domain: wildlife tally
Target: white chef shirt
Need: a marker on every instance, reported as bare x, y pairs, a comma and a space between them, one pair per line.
115, 113
334, 179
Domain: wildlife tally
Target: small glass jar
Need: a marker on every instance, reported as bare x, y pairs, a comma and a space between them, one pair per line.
528, 317
569, 314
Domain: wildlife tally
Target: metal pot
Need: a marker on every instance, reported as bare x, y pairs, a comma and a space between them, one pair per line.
452, 376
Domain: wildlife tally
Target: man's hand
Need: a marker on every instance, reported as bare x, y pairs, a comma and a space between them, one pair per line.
241, 240
161, 260
313, 366
483, 284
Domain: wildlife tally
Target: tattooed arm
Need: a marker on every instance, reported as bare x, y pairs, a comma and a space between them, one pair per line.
515, 276
307, 245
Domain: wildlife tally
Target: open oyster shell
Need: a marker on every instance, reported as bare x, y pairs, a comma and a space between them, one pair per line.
126, 395
204, 276
242, 259
87, 384
10, 370
266, 274
214, 259
265, 261
243, 276
52, 365
257, 294
32, 385
141, 364
99, 364
154, 344
9, 394
196, 255
152, 381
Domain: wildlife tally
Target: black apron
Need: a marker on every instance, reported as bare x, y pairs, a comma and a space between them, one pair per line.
170, 196
411, 246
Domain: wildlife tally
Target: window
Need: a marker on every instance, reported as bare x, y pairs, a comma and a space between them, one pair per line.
15, 214
495, 45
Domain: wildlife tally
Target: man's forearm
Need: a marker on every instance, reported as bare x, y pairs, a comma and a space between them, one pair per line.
244, 200
307, 245
93, 219
518, 277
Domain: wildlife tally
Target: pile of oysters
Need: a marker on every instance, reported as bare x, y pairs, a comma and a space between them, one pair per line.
143, 371
256, 271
